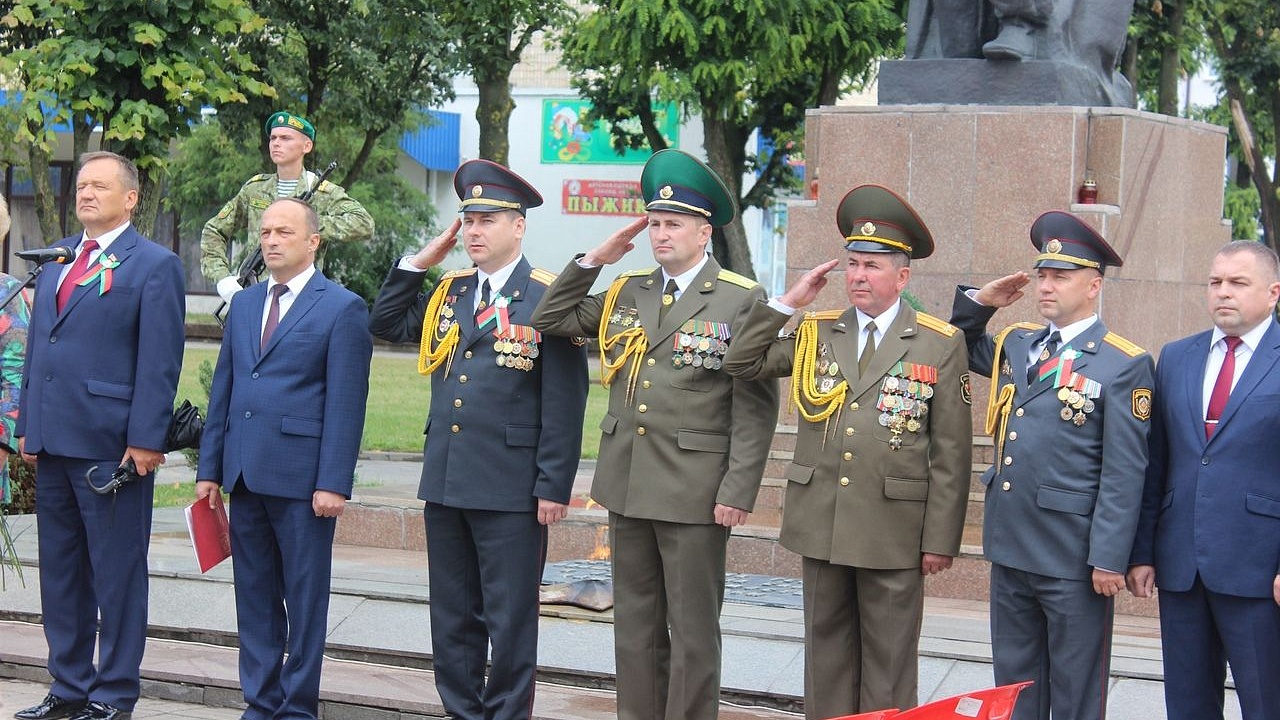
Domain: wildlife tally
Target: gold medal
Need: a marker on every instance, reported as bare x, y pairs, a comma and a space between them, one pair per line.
704, 344
1077, 402
913, 425
497, 346
1063, 394
667, 299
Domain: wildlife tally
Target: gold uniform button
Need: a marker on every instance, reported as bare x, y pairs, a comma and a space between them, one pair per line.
1013, 435
646, 384
457, 402
640, 430
848, 455
455, 428
642, 408
467, 354
1006, 486
462, 378
853, 406
1008, 460
848, 431
844, 482
651, 362
1020, 412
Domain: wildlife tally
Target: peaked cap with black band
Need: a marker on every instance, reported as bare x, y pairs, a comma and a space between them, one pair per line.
676, 181
1067, 243
293, 122
485, 186
874, 219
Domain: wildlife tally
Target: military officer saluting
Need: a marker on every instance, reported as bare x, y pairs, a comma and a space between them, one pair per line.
683, 445
342, 219
504, 436
1069, 410
880, 476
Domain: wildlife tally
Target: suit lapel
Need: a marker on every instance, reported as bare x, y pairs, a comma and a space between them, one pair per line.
843, 345
302, 304
122, 247
691, 302
464, 308
648, 294
1195, 361
515, 290
892, 347
1260, 366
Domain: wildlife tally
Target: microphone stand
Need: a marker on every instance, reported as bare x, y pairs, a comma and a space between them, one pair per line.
29, 282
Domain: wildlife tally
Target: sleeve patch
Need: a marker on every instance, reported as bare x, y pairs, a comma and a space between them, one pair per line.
1142, 404
966, 389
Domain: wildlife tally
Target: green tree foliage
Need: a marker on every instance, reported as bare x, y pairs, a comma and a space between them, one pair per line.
345, 64
493, 34
742, 65
1166, 44
140, 70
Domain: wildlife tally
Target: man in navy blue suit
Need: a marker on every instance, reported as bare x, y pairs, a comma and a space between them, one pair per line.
103, 357
1209, 532
504, 435
285, 417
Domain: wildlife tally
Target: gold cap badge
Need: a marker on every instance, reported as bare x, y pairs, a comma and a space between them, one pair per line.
868, 228
666, 192
477, 191
1053, 246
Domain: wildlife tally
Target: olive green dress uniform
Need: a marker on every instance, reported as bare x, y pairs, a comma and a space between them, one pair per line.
341, 219
1064, 493
679, 436
880, 475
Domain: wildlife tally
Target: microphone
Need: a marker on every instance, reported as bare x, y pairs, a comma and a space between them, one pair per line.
61, 255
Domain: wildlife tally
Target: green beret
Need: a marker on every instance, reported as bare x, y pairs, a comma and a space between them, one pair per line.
289, 120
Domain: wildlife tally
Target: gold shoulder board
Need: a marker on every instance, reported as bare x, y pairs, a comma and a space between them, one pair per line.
823, 315
938, 325
458, 273
736, 279
1018, 326
1124, 346
546, 277
636, 273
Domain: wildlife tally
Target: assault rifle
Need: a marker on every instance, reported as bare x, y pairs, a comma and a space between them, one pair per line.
253, 264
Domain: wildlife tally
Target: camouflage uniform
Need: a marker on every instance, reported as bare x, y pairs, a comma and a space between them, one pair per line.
341, 218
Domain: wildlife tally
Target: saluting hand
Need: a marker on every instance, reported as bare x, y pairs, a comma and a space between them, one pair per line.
808, 286
433, 253
1004, 291
618, 244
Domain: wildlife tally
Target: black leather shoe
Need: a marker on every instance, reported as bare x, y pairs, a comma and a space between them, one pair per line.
51, 708
101, 711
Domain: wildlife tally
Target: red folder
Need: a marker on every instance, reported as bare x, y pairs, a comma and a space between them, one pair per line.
210, 533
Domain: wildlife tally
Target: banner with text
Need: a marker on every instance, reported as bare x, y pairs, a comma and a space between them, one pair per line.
601, 197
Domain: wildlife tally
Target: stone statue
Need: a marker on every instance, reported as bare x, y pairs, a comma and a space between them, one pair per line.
1077, 42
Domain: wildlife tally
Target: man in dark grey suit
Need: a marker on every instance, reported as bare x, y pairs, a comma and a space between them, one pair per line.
1069, 412
504, 435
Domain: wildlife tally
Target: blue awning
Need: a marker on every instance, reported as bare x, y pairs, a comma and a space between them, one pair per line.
435, 145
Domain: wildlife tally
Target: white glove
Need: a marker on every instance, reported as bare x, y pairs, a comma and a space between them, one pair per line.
227, 287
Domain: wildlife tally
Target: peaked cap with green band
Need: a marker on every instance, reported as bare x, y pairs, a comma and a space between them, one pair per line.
485, 186
1066, 243
678, 182
293, 122
875, 219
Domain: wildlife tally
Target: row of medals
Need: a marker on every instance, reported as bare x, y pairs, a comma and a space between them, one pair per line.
903, 402
515, 354
1076, 407
700, 351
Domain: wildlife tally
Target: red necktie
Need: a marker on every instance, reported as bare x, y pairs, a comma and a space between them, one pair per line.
273, 315
78, 268
1221, 387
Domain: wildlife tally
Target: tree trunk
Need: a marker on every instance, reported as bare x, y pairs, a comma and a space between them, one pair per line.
727, 156
148, 207
366, 149
1170, 60
1256, 161
46, 210
493, 114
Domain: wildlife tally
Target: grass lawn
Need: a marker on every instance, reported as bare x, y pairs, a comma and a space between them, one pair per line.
398, 402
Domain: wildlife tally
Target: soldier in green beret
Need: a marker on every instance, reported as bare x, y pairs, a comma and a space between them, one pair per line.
341, 217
